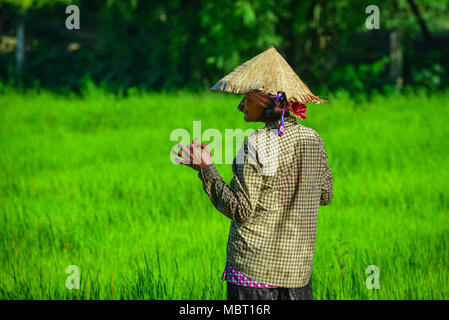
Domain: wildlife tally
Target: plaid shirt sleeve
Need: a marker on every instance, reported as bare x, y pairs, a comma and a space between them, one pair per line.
327, 188
239, 200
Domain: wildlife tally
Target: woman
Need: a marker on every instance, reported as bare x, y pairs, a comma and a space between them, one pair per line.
273, 198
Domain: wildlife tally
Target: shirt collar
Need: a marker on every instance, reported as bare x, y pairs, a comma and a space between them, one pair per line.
274, 124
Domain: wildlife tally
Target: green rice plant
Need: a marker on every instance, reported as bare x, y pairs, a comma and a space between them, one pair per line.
88, 181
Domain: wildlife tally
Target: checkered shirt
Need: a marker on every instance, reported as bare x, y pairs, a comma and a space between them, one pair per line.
273, 200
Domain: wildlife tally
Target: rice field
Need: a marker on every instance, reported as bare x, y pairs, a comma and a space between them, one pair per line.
88, 182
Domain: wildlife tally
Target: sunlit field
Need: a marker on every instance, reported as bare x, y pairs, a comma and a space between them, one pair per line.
89, 182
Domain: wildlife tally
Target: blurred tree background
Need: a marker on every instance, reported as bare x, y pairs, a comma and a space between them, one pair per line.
128, 45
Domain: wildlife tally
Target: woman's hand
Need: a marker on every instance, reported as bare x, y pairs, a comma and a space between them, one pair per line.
194, 155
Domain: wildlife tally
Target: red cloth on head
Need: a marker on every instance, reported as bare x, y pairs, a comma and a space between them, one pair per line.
298, 109
263, 100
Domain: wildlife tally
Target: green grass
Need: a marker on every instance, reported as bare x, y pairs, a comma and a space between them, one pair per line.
89, 182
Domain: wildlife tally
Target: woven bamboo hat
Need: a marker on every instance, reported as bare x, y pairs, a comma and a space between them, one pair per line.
270, 73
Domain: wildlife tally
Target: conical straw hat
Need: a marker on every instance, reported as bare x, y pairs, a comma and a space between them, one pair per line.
270, 73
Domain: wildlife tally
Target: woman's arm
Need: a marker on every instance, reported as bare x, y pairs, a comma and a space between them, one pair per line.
238, 201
